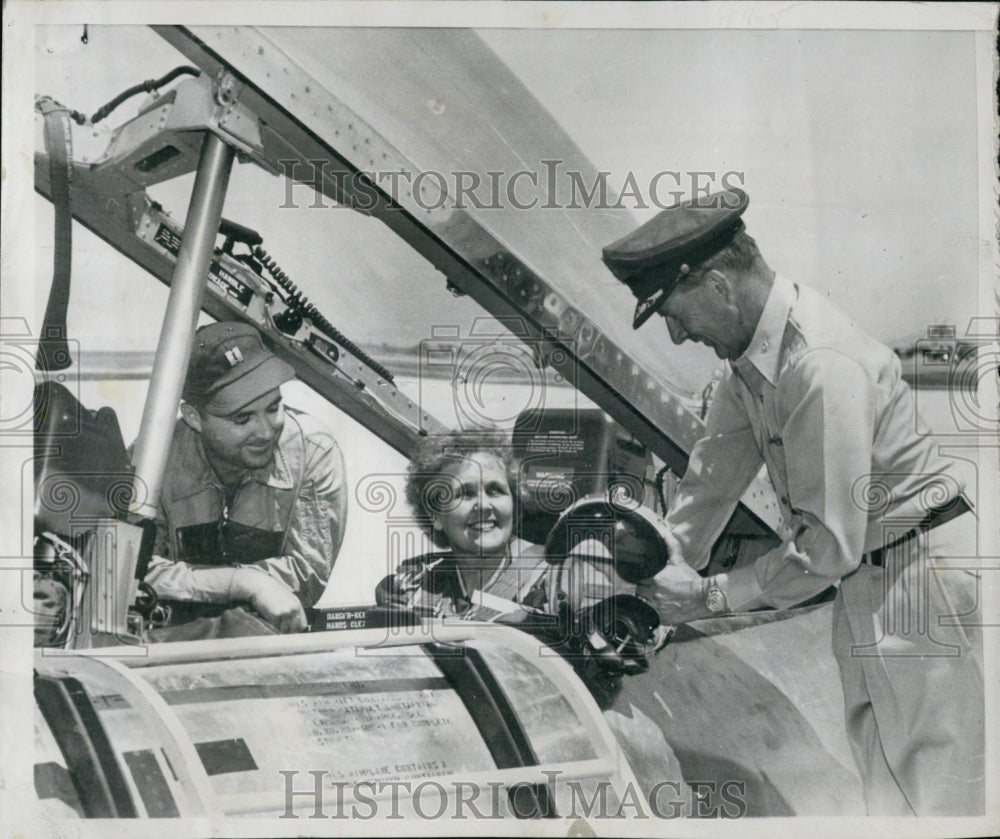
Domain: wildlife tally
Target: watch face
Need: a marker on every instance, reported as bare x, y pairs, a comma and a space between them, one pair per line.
715, 600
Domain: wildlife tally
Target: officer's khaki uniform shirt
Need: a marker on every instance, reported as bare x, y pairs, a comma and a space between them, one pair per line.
824, 407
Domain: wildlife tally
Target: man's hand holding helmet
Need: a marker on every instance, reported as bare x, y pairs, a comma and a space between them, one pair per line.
678, 592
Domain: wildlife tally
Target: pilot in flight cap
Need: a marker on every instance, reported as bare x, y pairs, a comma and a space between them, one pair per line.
230, 368
648, 259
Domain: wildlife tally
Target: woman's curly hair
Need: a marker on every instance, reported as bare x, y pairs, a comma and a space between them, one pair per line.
426, 493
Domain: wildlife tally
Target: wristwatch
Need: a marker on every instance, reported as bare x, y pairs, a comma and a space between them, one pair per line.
715, 597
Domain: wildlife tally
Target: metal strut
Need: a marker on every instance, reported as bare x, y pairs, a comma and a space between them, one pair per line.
173, 352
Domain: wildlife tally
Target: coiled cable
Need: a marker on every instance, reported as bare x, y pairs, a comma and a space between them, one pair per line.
300, 304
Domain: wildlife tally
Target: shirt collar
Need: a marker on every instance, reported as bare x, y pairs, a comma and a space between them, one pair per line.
764, 351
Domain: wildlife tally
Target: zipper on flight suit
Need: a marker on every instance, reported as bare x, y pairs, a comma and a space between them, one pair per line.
223, 526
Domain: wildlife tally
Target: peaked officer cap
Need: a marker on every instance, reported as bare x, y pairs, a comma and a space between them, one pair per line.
648, 260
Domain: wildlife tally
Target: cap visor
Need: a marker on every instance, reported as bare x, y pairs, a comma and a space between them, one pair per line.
645, 309
262, 379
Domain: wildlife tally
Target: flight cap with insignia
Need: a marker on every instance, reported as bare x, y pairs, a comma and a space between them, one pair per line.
648, 260
230, 368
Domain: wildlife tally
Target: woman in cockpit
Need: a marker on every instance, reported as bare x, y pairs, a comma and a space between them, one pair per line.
463, 486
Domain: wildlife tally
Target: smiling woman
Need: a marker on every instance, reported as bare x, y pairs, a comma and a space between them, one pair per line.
463, 486
477, 520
